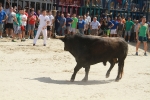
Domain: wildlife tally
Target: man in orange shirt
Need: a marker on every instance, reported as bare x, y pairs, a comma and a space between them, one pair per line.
123, 20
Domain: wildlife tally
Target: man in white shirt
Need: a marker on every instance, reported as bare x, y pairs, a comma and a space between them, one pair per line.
95, 25
50, 25
24, 23
88, 18
44, 21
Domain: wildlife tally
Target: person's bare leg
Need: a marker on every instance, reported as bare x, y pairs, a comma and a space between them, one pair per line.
29, 33
13, 36
11, 32
7, 31
137, 45
128, 38
51, 33
23, 34
0, 34
20, 36
145, 46
48, 34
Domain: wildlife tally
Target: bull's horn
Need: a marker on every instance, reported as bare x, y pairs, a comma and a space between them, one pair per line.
59, 37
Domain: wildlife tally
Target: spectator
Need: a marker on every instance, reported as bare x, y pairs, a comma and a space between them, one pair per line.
113, 32
141, 35
86, 25
44, 21
24, 23
120, 28
81, 25
128, 27
95, 25
74, 24
3, 18
123, 20
62, 25
89, 21
109, 26
57, 19
50, 25
68, 23
17, 25
9, 22
31, 24
135, 29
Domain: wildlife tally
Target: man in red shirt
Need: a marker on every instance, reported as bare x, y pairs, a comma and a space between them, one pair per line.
31, 23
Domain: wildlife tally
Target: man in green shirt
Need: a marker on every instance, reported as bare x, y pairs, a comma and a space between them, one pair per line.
17, 25
74, 24
141, 35
128, 28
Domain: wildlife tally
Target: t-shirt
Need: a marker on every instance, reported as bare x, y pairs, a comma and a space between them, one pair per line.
24, 17
129, 25
95, 24
81, 24
32, 20
43, 20
74, 23
2, 16
89, 19
51, 17
11, 16
109, 24
120, 26
68, 21
62, 21
19, 20
143, 30
115, 24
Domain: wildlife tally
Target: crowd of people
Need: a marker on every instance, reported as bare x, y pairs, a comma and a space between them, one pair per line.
32, 24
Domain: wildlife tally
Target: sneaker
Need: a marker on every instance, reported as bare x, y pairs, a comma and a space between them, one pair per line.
145, 54
44, 45
33, 44
48, 38
22, 40
1, 37
128, 41
13, 41
136, 53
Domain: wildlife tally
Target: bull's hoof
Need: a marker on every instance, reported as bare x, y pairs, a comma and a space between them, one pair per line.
71, 80
107, 75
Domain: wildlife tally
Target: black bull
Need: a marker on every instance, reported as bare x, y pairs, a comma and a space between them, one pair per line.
89, 50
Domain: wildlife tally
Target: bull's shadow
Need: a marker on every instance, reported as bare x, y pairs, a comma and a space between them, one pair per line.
67, 82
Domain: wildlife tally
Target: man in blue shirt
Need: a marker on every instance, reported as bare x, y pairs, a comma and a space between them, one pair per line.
68, 23
113, 32
3, 18
81, 25
62, 25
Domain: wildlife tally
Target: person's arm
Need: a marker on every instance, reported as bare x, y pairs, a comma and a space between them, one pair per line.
46, 23
76, 23
15, 19
148, 32
64, 23
137, 31
99, 25
5, 18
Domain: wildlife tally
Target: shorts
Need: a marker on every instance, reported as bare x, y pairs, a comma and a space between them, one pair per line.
9, 25
142, 39
107, 32
69, 28
31, 27
49, 28
1, 27
94, 32
74, 30
128, 33
17, 29
120, 32
113, 31
23, 28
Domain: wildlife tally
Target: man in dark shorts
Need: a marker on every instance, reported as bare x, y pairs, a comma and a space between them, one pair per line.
142, 36
9, 22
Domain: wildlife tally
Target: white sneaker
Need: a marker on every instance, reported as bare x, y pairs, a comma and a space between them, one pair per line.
48, 38
128, 41
1, 37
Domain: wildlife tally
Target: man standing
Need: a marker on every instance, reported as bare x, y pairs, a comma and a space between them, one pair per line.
74, 24
88, 22
113, 32
128, 27
50, 25
120, 28
31, 24
95, 25
3, 18
44, 21
24, 23
17, 25
62, 25
142, 36
68, 23
81, 25
9, 22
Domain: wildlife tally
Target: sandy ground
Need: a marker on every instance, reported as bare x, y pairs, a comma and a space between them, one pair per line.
43, 73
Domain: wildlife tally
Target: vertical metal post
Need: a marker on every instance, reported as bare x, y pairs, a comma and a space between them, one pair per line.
11, 3
35, 6
17, 4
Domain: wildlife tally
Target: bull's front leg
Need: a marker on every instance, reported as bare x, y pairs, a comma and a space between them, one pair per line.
87, 68
76, 69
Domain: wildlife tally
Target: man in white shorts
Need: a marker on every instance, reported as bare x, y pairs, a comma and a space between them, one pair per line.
113, 32
44, 21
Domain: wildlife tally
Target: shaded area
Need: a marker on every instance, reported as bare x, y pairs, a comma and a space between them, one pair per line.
66, 82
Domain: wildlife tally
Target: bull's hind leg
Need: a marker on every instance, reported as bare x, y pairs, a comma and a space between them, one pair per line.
76, 69
112, 63
120, 70
87, 68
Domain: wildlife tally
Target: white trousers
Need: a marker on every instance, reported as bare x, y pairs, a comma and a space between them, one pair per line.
44, 31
